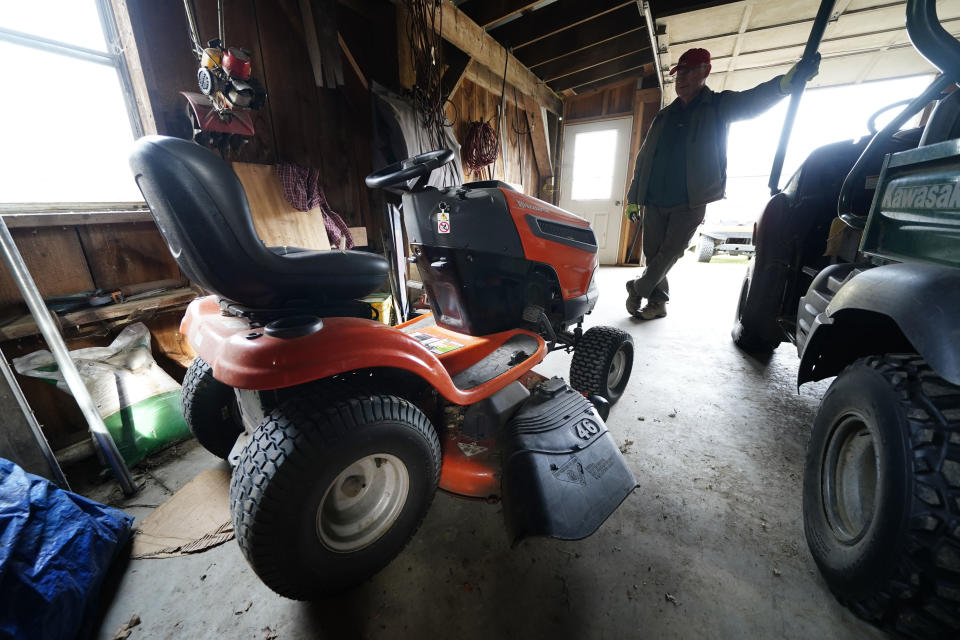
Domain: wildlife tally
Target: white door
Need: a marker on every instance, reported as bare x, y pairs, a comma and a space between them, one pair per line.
593, 178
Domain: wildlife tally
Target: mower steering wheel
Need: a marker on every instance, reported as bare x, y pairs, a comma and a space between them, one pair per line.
399, 173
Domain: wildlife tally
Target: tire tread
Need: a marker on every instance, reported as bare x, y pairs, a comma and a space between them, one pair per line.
920, 599
292, 436
588, 369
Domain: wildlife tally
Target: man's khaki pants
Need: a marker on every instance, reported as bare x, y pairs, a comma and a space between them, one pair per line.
667, 232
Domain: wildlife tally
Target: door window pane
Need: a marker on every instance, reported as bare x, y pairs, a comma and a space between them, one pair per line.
593, 159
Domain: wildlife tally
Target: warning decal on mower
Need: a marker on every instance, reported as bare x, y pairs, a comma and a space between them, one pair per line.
443, 221
571, 472
435, 345
470, 449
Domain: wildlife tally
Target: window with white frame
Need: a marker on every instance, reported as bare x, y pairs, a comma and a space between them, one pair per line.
67, 115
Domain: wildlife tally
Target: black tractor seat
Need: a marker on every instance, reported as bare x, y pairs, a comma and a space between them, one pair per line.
202, 212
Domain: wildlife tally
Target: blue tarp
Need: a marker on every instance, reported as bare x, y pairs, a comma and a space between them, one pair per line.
55, 548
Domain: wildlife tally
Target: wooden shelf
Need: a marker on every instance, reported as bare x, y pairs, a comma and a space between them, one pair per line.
114, 314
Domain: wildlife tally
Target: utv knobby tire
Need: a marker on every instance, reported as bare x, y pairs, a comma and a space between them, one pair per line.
743, 334
899, 568
705, 249
209, 408
593, 358
294, 456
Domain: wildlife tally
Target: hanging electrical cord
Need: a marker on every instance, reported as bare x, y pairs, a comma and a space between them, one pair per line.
482, 144
427, 50
500, 110
520, 133
480, 147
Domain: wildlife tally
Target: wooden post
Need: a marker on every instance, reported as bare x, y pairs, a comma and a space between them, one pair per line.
646, 103
405, 70
538, 136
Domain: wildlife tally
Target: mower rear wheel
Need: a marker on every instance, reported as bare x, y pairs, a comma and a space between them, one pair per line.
210, 409
705, 249
602, 363
880, 484
330, 489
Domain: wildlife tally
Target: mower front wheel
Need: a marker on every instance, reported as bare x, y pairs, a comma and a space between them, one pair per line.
329, 490
602, 363
210, 409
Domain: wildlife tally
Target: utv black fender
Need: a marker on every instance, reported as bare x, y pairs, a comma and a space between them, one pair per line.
889, 309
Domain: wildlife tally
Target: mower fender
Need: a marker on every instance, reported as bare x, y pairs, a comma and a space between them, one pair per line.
894, 308
246, 358
563, 474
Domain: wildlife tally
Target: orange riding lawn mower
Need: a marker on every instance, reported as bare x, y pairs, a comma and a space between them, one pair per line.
339, 427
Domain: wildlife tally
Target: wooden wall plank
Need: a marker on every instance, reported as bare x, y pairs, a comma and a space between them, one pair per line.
124, 254
538, 138
167, 60
473, 102
55, 259
645, 108
277, 223
290, 80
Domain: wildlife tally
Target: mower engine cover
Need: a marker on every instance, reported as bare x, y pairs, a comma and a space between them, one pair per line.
487, 253
563, 474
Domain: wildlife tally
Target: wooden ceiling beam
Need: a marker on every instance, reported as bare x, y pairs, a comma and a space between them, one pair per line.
553, 19
592, 56
601, 71
607, 27
612, 80
463, 33
490, 12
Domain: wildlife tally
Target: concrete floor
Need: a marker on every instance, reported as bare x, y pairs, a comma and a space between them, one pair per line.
709, 546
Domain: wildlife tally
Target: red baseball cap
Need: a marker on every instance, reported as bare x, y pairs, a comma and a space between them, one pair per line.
692, 58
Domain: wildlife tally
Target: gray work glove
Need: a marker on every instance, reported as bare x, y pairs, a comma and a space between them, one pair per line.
801, 73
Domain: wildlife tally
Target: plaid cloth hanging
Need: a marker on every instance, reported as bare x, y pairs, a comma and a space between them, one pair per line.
301, 188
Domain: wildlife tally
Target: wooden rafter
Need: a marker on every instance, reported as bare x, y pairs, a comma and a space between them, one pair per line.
592, 56
606, 27
488, 12
554, 18
489, 80
731, 66
643, 72
601, 71
456, 62
463, 33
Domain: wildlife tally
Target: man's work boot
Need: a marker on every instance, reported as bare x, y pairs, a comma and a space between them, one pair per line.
654, 309
633, 302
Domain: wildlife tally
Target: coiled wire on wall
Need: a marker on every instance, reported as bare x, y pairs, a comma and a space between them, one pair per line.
426, 47
480, 147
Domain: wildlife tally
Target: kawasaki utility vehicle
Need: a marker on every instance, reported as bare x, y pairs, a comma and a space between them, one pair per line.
878, 306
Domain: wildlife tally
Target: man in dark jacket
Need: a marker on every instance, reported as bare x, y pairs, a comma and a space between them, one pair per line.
682, 166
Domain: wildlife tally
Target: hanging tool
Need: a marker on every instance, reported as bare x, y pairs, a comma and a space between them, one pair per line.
228, 91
